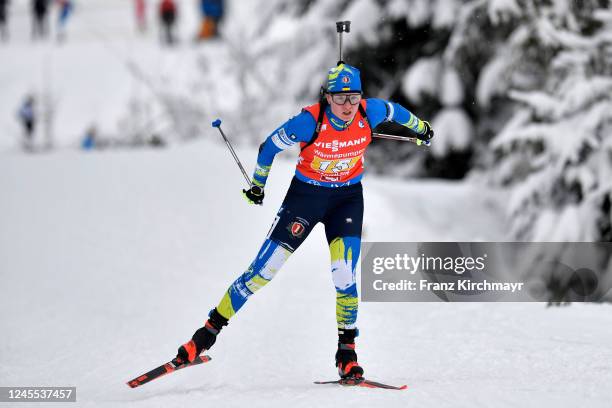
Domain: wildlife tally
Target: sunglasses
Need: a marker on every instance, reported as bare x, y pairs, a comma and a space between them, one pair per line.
340, 99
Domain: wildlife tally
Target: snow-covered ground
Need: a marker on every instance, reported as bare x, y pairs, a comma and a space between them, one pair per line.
110, 260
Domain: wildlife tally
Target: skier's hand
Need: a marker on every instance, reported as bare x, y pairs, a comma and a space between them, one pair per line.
424, 139
254, 195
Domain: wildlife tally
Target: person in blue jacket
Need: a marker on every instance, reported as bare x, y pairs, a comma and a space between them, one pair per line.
212, 14
90, 140
65, 10
27, 116
333, 136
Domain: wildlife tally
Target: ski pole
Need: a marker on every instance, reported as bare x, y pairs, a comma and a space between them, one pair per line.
217, 124
342, 27
400, 138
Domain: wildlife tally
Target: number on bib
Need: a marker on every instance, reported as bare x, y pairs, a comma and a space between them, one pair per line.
333, 166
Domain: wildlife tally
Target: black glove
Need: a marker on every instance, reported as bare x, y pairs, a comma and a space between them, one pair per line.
429, 133
254, 195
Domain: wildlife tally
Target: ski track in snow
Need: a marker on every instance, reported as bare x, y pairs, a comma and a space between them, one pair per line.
110, 260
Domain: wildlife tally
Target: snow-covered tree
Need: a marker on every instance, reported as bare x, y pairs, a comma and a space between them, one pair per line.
404, 61
394, 43
555, 153
531, 75
280, 60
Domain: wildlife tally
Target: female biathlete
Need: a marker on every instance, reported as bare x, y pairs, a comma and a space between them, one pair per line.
333, 135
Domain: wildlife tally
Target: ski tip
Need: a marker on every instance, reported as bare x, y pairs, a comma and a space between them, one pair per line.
216, 123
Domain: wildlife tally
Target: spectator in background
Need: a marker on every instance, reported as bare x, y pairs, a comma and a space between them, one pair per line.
212, 13
39, 18
167, 15
65, 9
141, 15
28, 119
157, 141
90, 139
3, 19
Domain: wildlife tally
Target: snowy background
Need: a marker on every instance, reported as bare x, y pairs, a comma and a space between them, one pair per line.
110, 259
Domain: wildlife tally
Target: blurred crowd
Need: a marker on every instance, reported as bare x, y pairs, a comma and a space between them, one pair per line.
211, 14
40, 10
30, 111
30, 114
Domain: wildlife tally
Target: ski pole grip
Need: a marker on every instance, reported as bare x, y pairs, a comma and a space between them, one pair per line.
216, 123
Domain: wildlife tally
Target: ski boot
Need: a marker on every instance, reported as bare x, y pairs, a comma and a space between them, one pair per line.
203, 339
346, 357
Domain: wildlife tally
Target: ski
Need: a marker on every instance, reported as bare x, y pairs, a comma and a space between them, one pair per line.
164, 369
363, 383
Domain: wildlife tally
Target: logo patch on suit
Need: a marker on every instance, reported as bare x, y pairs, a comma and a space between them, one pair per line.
297, 227
361, 125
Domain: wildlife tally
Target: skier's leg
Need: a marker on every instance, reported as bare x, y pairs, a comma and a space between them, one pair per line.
264, 267
344, 251
3, 28
42, 26
28, 135
343, 224
300, 212
34, 25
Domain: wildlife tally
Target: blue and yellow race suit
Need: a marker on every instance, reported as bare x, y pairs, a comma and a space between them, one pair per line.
326, 188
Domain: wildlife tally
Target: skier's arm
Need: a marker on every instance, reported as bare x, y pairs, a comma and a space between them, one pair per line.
297, 129
379, 110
